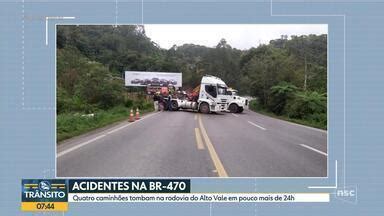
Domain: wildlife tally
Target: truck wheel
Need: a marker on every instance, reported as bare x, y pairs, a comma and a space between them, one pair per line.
240, 110
174, 105
204, 108
233, 108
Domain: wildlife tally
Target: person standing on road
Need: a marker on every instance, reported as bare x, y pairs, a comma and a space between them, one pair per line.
156, 99
169, 102
171, 91
162, 104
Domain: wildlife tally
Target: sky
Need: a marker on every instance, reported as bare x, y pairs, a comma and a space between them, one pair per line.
240, 36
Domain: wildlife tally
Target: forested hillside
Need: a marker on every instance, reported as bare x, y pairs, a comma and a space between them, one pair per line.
288, 76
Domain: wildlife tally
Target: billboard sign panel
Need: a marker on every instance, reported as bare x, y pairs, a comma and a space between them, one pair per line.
144, 78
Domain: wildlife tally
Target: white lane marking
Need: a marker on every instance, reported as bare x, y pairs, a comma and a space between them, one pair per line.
235, 115
256, 125
79, 146
304, 126
313, 149
119, 128
292, 123
101, 136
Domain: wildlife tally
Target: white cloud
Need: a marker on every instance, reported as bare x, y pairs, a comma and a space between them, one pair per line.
240, 36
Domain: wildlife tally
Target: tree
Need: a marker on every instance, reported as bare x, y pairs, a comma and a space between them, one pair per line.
280, 95
306, 104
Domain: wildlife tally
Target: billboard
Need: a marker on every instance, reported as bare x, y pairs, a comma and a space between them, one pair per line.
144, 78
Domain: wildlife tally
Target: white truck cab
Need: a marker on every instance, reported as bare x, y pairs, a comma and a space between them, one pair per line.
212, 95
236, 104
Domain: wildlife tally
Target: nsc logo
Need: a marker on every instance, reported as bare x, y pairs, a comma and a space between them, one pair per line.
44, 195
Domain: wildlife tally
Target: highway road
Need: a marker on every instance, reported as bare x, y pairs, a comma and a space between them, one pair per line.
190, 144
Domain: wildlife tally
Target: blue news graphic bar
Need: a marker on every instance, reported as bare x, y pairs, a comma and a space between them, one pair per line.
129, 186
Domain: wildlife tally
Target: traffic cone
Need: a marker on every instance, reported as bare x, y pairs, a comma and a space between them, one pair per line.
137, 114
131, 117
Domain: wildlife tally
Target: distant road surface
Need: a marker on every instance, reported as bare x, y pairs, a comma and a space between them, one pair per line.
190, 144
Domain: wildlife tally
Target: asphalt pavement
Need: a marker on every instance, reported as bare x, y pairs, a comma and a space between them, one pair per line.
190, 144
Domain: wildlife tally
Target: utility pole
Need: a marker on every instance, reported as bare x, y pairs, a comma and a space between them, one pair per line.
305, 62
305, 71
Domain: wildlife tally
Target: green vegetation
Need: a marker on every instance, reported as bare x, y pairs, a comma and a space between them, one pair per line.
287, 76
288, 102
73, 124
318, 120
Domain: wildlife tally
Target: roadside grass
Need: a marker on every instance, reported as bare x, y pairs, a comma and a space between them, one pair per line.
253, 106
74, 124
